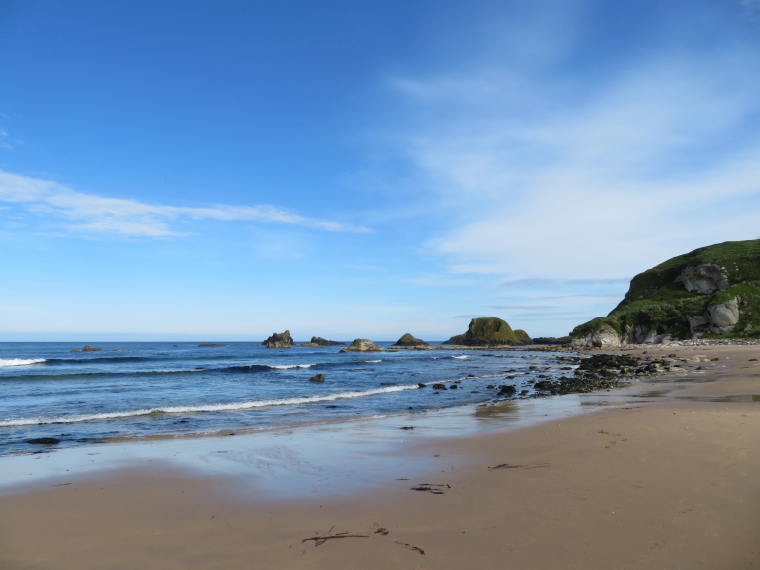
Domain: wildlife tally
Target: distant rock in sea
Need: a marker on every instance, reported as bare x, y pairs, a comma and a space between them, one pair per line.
279, 340
490, 331
317, 378
713, 291
89, 348
319, 341
409, 340
362, 345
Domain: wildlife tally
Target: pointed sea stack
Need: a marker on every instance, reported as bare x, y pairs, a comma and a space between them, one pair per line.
279, 340
409, 340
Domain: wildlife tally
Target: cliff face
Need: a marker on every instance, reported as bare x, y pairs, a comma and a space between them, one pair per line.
490, 331
712, 292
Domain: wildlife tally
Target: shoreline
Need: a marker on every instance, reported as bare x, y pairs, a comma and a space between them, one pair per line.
664, 484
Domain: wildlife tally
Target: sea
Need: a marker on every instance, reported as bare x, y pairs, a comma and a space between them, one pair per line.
131, 391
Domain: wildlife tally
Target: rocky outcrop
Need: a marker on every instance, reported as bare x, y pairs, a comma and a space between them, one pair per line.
362, 345
551, 340
704, 279
279, 340
711, 292
409, 340
89, 348
490, 331
319, 341
317, 378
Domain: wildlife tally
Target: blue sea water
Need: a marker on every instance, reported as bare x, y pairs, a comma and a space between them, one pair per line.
160, 389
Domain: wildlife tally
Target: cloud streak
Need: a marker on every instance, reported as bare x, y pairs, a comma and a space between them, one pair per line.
554, 177
93, 214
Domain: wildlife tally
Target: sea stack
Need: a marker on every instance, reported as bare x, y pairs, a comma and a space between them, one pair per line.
279, 340
490, 331
409, 340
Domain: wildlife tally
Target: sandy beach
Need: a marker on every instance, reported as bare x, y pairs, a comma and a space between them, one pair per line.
666, 481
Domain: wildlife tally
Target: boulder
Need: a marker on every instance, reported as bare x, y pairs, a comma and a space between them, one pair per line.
317, 378
44, 441
705, 279
279, 340
409, 340
88, 348
362, 345
724, 316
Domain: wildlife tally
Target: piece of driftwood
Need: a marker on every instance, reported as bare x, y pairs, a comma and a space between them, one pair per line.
512, 466
319, 540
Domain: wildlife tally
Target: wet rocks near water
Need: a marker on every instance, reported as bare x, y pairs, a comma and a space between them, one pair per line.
317, 378
362, 345
439, 386
279, 340
44, 441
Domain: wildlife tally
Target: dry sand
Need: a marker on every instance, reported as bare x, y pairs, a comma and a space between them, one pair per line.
668, 484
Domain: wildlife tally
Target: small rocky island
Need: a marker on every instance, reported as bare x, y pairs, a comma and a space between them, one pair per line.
319, 341
362, 345
279, 340
712, 292
409, 340
490, 331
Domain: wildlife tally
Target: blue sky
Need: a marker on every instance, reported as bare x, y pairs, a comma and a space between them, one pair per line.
230, 169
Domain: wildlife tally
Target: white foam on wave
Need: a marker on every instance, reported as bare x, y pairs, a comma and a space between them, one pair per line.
290, 366
374, 361
207, 408
461, 356
20, 361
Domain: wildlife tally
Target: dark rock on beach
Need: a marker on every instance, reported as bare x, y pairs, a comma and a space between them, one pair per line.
410, 340
279, 340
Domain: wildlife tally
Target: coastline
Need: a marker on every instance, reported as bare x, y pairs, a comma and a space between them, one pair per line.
663, 483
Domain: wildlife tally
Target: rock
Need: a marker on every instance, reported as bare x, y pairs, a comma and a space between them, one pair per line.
505, 390
319, 341
279, 340
317, 378
704, 279
409, 340
44, 441
724, 316
490, 331
362, 345
74, 350
439, 386
89, 348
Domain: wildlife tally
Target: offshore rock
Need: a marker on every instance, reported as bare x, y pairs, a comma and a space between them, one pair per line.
279, 340
319, 341
713, 291
490, 331
89, 348
362, 345
317, 378
409, 340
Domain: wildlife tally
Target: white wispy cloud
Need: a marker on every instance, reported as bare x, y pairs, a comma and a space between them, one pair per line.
93, 214
546, 179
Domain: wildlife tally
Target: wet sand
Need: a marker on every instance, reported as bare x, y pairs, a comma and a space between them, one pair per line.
661, 483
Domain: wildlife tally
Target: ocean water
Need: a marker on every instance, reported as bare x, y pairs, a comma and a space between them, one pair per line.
159, 390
